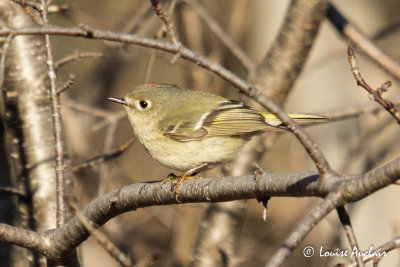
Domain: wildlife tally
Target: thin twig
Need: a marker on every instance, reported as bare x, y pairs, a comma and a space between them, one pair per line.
360, 40
103, 158
52, 9
309, 222
386, 30
30, 8
76, 57
169, 26
32, 4
376, 94
58, 127
165, 18
108, 117
67, 84
85, 108
113, 118
153, 53
108, 145
150, 65
380, 252
345, 221
132, 22
99, 236
354, 112
13, 191
356, 149
221, 34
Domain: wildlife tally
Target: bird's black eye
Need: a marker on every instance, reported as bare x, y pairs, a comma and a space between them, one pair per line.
143, 104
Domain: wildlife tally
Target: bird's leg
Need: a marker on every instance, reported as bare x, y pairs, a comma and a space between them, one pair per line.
190, 174
171, 177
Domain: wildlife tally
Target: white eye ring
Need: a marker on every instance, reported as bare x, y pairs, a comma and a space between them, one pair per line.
143, 104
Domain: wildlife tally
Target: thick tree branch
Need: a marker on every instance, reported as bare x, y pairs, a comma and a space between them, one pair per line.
341, 190
282, 65
24, 238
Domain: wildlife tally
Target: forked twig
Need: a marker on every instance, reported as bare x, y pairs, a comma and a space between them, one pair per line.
169, 26
67, 84
374, 94
165, 18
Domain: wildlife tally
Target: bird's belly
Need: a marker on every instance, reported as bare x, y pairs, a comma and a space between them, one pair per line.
183, 156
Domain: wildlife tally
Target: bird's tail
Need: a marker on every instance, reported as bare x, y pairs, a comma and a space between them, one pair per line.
273, 121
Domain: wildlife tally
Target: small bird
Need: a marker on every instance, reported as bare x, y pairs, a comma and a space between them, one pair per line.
190, 131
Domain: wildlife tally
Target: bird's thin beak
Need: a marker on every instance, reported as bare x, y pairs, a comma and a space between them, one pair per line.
118, 100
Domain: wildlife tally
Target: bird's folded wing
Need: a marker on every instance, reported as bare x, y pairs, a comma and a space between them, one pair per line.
230, 118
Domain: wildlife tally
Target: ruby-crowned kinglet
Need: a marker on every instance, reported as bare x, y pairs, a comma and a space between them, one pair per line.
190, 130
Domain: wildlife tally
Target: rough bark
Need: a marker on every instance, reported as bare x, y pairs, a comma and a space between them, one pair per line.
27, 120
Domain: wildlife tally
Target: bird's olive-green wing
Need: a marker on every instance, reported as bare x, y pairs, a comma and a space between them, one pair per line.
179, 122
228, 118
233, 118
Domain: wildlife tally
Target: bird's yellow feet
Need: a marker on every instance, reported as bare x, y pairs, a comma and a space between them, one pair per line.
171, 177
176, 181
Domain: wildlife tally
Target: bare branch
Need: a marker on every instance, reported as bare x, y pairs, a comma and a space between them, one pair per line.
100, 237
30, 8
23, 237
61, 8
67, 84
379, 252
165, 18
351, 32
375, 95
345, 221
58, 128
281, 66
12, 190
104, 157
85, 108
76, 57
311, 220
220, 33
354, 112
336, 191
